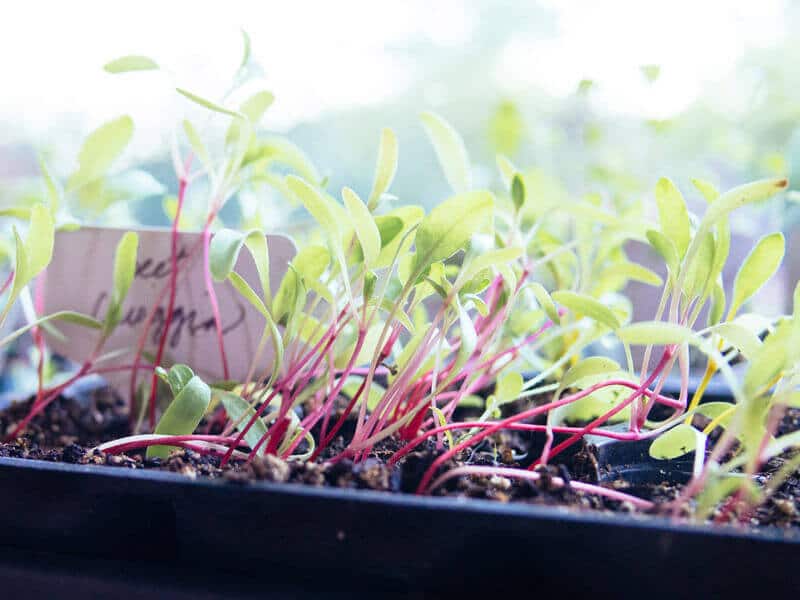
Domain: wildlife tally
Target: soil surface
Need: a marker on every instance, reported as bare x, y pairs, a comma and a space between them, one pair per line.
69, 429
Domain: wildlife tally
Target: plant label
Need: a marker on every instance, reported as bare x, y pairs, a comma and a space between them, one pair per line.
79, 279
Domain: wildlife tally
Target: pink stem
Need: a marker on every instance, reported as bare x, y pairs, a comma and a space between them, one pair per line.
212, 297
532, 476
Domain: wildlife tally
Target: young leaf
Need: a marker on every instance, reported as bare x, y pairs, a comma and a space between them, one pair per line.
594, 365
366, 230
67, 316
100, 149
208, 104
676, 442
673, 215
239, 411
508, 388
709, 190
385, 169
196, 143
246, 49
183, 415
316, 204
450, 150
224, 252
664, 246
256, 105
741, 196
449, 226
518, 191
581, 304
124, 271
39, 243
739, 337
655, 332
485, 260
717, 308
759, 266
545, 302
133, 62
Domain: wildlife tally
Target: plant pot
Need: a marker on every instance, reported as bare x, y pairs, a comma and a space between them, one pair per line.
352, 538
79, 525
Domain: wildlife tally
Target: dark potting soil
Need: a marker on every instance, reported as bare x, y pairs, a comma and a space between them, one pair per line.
70, 427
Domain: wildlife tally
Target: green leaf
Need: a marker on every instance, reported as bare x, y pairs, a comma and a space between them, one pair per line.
67, 316
698, 273
399, 243
655, 332
256, 105
707, 189
673, 215
239, 411
100, 149
632, 271
450, 150
759, 266
486, 260
385, 168
741, 196
226, 245
581, 304
366, 230
545, 302
508, 388
739, 337
316, 204
518, 191
309, 264
246, 49
717, 308
124, 271
676, 442
664, 246
594, 365
184, 413
449, 226
208, 104
770, 360
132, 62
40, 240
196, 143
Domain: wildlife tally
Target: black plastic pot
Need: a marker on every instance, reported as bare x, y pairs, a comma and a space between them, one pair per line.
295, 540
112, 532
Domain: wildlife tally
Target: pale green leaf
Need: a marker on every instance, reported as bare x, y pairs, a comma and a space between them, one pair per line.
759, 266
133, 62
450, 150
212, 106
545, 301
706, 188
450, 225
366, 230
664, 246
184, 413
239, 411
583, 305
100, 149
739, 337
678, 441
385, 168
673, 215
655, 332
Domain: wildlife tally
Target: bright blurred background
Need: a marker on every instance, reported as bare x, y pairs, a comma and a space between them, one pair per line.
587, 96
